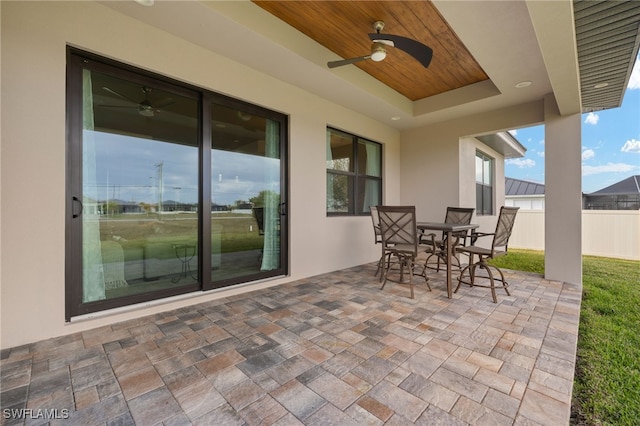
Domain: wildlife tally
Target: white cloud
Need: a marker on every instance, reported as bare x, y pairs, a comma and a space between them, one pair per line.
542, 142
588, 153
634, 80
608, 168
522, 163
541, 154
592, 118
631, 145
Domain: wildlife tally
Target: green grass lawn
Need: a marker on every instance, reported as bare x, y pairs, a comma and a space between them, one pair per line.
607, 381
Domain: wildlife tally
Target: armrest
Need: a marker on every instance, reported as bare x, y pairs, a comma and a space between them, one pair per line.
475, 235
429, 239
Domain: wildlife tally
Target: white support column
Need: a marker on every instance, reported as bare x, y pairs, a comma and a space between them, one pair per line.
563, 195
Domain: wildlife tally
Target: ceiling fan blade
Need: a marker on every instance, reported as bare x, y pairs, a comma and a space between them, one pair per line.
334, 64
118, 106
166, 102
119, 95
419, 51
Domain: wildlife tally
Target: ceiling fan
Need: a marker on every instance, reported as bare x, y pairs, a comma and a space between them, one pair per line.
419, 51
144, 107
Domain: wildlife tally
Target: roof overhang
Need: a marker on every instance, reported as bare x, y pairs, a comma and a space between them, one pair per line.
504, 143
608, 38
513, 41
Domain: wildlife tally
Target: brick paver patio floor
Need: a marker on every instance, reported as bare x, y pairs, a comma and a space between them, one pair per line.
328, 350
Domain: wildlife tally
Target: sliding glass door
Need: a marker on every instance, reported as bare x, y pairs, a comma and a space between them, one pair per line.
172, 189
246, 188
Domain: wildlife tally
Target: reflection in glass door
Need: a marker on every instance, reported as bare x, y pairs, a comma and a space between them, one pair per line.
171, 188
140, 151
246, 201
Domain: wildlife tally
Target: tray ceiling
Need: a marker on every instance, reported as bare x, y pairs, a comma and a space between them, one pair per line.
342, 27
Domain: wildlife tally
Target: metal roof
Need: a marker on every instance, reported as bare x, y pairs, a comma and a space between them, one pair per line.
522, 187
607, 37
628, 186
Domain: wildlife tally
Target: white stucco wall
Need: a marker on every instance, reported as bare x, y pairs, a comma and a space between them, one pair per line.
34, 40
467, 173
430, 177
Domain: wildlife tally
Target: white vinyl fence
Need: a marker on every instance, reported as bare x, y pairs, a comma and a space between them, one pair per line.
607, 233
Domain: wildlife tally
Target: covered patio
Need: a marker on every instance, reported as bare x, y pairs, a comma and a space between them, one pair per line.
329, 349
321, 343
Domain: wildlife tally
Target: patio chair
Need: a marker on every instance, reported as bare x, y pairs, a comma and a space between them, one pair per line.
399, 241
377, 236
455, 215
258, 214
499, 246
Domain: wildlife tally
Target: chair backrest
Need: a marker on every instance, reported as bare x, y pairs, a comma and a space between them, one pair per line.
258, 213
459, 216
504, 227
375, 219
398, 227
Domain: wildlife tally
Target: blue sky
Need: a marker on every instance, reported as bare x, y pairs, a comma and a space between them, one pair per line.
610, 144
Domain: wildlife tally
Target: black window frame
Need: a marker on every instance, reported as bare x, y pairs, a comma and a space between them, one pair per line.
485, 193
77, 60
355, 175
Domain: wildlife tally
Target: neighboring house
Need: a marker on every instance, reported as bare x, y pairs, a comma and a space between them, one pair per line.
623, 195
223, 100
524, 194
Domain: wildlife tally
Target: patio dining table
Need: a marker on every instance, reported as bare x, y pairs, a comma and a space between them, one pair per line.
448, 229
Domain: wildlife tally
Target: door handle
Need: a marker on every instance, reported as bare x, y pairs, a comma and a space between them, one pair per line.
76, 200
283, 209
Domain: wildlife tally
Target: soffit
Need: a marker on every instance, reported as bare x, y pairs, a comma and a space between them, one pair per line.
506, 40
607, 37
499, 36
504, 143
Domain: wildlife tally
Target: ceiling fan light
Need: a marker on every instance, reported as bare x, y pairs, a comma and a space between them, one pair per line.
378, 52
146, 112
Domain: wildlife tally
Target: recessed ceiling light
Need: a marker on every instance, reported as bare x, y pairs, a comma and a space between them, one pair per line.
523, 84
145, 2
600, 85
395, 118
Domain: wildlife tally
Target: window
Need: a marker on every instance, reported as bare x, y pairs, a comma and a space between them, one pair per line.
354, 174
172, 189
484, 184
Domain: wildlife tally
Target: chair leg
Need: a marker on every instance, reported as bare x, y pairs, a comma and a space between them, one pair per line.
472, 274
380, 266
460, 281
385, 270
385, 259
505, 285
426, 279
471, 268
492, 283
410, 268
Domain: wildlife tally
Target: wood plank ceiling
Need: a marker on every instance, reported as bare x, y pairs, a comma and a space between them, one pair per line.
342, 27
